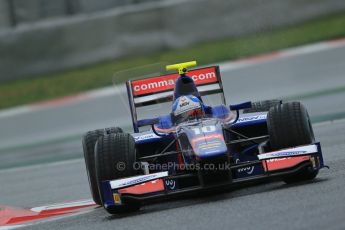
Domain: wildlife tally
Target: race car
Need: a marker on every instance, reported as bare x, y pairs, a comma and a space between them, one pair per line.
196, 146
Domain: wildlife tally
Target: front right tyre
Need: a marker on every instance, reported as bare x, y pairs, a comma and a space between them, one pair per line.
115, 157
89, 141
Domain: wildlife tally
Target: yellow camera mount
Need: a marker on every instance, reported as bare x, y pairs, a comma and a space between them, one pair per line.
181, 67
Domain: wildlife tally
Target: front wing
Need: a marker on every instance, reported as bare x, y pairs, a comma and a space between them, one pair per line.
160, 185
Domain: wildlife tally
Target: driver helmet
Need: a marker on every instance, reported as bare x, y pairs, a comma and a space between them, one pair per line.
187, 108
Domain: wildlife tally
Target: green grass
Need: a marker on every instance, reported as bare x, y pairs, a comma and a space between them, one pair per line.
99, 75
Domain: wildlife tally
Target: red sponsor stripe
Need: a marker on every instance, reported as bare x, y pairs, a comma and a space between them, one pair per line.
147, 187
167, 82
283, 163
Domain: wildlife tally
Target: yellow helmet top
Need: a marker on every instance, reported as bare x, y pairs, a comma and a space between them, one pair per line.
181, 67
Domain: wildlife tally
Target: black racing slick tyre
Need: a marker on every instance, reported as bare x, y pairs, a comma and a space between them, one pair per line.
89, 140
289, 125
262, 106
115, 157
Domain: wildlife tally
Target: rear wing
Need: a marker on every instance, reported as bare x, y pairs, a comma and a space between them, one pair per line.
160, 89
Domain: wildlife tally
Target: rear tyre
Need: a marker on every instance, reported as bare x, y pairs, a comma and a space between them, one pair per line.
89, 140
289, 126
112, 150
262, 106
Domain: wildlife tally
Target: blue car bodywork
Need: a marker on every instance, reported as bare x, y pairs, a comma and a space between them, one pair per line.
222, 149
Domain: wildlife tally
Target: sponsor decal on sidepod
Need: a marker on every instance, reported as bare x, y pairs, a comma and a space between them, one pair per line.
249, 170
145, 137
252, 118
171, 184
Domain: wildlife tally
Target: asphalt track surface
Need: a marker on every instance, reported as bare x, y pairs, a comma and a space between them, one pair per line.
316, 79
314, 205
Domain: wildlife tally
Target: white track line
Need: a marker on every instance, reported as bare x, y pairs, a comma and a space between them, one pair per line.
63, 205
13, 226
38, 166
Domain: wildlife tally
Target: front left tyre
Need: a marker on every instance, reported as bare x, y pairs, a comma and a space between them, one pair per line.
288, 126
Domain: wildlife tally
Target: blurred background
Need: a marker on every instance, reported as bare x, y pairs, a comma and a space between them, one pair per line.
56, 43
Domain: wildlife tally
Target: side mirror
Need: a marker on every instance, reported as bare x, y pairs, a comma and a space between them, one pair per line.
244, 105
